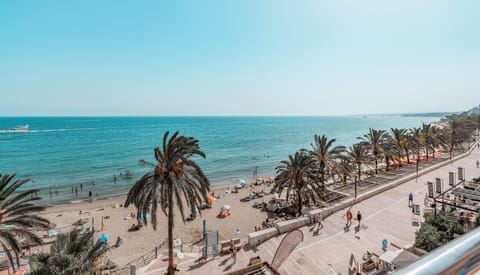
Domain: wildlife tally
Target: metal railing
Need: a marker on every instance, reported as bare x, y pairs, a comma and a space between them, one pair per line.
456, 257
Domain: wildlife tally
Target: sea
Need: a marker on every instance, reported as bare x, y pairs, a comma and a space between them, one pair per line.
59, 153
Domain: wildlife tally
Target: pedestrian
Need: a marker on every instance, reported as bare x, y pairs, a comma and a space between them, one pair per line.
114, 178
359, 217
410, 199
76, 190
89, 196
478, 163
72, 189
319, 225
81, 186
349, 218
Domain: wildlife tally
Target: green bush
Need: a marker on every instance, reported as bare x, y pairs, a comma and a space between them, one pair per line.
428, 237
437, 230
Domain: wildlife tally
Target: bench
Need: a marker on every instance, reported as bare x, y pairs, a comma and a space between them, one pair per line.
225, 246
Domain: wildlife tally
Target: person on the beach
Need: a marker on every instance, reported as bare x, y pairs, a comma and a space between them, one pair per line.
410, 199
114, 178
89, 196
119, 242
76, 190
359, 217
81, 186
349, 218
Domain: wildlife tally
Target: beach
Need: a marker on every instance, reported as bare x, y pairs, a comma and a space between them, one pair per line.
244, 217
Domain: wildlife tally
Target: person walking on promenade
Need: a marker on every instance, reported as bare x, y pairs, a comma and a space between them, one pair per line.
359, 217
478, 163
410, 199
318, 226
349, 218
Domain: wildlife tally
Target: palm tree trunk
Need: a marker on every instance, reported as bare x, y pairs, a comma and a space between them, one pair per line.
171, 266
300, 202
388, 162
376, 165
355, 187
408, 156
359, 171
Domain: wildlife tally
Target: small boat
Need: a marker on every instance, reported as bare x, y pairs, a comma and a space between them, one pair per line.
19, 129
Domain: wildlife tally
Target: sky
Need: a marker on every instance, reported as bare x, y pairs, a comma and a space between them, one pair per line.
249, 57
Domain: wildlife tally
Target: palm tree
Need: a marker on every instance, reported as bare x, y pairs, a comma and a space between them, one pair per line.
375, 139
418, 141
426, 132
400, 138
18, 214
298, 175
328, 157
358, 155
176, 179
455, 133
436, 139
72, 253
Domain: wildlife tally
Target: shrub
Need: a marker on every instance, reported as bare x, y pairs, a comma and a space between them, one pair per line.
428, 237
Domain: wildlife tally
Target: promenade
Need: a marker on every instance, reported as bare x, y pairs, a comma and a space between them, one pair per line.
384, 216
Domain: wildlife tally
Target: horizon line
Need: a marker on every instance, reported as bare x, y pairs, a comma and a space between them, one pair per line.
244, 115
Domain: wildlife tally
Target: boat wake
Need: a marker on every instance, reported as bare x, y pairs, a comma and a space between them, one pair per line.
46, 130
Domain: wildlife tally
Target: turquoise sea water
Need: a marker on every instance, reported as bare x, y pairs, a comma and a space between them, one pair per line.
60, 152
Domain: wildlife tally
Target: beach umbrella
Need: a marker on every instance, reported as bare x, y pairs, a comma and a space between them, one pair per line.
242, 181
210, 198
225, 207
103, 238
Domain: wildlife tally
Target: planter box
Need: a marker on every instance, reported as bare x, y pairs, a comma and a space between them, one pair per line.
368, 266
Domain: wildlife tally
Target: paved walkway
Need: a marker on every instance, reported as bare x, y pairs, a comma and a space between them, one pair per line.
385, 216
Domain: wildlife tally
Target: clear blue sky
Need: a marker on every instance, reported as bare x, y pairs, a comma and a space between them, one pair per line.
238, 57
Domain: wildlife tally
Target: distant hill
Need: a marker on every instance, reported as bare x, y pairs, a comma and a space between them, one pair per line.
474, 111
437, 114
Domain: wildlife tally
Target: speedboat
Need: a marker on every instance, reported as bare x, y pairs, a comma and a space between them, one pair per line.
19, 129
